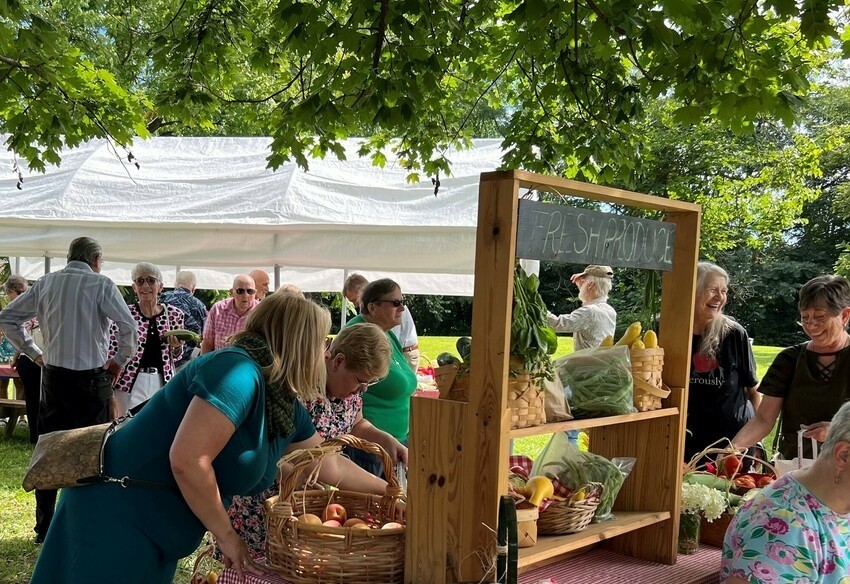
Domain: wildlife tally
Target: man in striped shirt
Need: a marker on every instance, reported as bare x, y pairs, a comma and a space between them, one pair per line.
74, 307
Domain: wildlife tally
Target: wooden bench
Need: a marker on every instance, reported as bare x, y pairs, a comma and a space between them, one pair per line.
12, 409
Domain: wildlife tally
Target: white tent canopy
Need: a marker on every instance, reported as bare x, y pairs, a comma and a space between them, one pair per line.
212, 206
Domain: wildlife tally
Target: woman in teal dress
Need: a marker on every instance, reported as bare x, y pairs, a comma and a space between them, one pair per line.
217, 429
386, 403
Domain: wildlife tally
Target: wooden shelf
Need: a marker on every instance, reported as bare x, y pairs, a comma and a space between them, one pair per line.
552, 546
592, 422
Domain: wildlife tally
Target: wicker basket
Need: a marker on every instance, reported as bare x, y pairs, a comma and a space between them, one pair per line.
647, 366
570, 516
304, 553
526, 526
526, 400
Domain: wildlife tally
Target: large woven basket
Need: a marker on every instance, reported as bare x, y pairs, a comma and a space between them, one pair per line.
305, 553
570, 516
647, 367
526, 400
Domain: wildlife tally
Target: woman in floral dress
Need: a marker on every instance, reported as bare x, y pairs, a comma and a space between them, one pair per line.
356, 358
797, 529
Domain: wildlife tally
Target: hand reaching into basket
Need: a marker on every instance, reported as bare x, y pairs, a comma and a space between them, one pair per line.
818, 431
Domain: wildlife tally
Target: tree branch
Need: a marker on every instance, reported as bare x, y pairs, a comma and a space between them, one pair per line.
379, 41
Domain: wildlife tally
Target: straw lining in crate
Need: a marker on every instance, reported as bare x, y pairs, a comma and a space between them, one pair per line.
564, 517
304, 553
647, 367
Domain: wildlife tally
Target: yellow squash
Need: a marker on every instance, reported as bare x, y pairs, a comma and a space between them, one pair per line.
541, 488
631, 335
650, 339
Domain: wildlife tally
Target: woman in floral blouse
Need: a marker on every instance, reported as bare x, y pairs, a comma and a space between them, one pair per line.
797, 529
357, 358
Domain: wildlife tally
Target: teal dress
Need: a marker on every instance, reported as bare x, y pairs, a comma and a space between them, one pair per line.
107, 534
387, 403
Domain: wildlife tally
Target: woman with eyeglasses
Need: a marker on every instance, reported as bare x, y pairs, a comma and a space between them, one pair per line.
357, 357
152, 365
807, 383
722, 389
216, 430
387, 403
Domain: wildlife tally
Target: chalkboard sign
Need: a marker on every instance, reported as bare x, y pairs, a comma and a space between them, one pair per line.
581, 236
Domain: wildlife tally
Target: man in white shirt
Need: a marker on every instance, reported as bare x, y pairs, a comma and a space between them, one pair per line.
406, 331
74, 307
595, 318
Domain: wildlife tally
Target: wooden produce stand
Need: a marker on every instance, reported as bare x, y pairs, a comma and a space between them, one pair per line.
459, 451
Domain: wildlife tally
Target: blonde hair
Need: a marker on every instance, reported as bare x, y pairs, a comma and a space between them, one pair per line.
295, 330
366, 348
291, 289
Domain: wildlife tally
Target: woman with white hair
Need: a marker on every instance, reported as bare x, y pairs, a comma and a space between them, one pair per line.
722, 394
152, 365
798, 528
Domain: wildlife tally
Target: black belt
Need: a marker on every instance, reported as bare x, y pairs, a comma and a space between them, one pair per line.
77, 371
148, 370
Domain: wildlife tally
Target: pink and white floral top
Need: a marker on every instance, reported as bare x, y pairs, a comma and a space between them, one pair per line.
785, 534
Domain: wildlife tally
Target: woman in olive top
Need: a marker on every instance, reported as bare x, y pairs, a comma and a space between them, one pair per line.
807, 383
386, 403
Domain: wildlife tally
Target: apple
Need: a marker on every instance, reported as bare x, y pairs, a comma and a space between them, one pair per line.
363, 525
354, 521
332, 523
392, 525
310, 518
335, 511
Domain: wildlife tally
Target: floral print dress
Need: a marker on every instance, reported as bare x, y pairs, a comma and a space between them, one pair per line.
784, 534
332, 418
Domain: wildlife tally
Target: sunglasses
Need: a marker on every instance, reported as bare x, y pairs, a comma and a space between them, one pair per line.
249, 291
396, 303
150, 281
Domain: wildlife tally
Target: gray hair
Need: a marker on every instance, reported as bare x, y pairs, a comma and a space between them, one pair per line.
832, 292
185, 279
17, 284
84, 249
354, 282
375, 291
718, 327
601, 285
146, 269
839, 429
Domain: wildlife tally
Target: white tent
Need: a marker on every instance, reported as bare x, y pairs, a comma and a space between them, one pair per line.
211, 205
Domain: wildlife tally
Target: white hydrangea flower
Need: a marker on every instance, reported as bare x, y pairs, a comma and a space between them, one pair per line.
701, 499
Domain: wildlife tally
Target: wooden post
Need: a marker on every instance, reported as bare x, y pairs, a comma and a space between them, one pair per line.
486, 427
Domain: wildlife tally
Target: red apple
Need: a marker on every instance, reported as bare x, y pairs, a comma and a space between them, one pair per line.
335, 511
332, 523
354, 521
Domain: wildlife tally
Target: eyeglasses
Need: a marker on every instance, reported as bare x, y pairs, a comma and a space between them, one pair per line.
249, 291
815, 321
328, 341
367, 383
396, 303
150, 281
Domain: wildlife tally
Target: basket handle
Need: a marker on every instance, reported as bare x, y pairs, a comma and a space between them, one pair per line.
649, 388
304, 459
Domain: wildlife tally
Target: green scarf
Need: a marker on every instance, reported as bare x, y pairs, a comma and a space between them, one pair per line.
280, 401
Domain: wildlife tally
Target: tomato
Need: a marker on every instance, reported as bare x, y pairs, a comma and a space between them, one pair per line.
731, 466
764, 481
745, 482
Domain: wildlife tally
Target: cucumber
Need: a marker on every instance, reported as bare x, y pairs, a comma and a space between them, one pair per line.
183, 335
709, 480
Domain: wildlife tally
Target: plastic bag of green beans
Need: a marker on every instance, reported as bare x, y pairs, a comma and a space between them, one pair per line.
598, 382
575, 469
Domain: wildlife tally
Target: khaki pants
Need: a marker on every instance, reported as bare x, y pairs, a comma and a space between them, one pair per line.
412, 358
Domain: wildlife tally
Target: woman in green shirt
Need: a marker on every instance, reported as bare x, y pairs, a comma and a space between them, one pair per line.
386, 403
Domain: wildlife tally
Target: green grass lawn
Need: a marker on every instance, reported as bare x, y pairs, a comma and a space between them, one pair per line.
17, 508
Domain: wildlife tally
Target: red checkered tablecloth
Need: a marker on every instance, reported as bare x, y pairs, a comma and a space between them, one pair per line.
229, 577
603, 566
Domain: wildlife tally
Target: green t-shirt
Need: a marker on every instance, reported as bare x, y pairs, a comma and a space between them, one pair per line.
387, 404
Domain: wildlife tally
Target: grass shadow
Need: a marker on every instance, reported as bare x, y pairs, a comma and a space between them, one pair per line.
17, 559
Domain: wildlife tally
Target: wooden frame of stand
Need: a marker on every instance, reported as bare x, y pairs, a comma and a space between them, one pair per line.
459, 451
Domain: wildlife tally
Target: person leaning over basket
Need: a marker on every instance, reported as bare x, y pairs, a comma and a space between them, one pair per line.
595, 318
797, 529
357, 357
807, 383
722, 394
217, 429
387, 403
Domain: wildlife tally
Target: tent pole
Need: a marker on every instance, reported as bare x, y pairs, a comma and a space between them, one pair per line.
46, 264
276, 276
344, 306
18, 265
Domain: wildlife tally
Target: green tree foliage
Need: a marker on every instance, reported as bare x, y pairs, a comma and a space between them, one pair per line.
574, 77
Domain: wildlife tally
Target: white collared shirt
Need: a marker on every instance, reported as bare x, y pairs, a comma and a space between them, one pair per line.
406, 331
74, 307
590, 323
